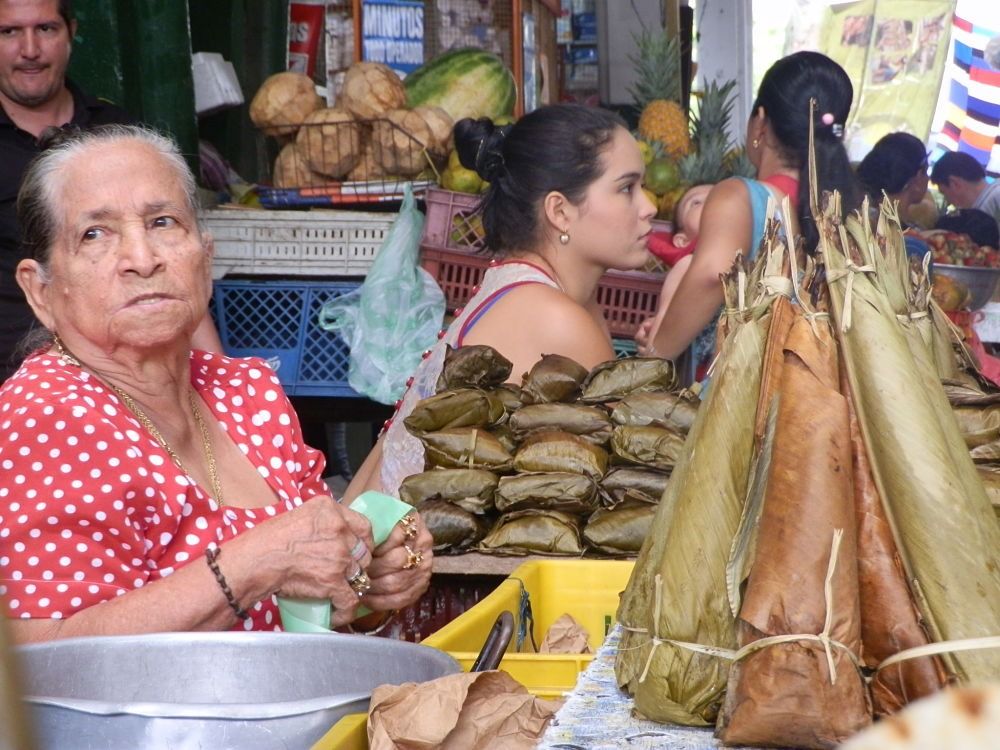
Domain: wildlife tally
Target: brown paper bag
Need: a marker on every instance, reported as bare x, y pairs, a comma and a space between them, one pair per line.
565, 636
467, 711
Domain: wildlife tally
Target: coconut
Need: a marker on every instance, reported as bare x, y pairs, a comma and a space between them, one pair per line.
292, 170
401, 136
367, 168
441, 126
371, 90
330, 141
282, 102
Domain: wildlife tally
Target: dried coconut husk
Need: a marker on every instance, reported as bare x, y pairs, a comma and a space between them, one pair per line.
562, 491
784, 693
470, 489
682, 563
942, 520
533, 532
632, 483
465, 448
648, 446
672, 411
619, 531
589, 422
474, 366
462, 407
554, 450
890, 621
553, 378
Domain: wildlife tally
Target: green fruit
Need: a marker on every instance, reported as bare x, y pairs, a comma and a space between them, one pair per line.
662, 176
464, 83
461, 180
453, 161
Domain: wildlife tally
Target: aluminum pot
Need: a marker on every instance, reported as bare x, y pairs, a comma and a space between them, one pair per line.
210, 690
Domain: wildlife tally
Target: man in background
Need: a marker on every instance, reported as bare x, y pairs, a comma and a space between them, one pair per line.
35, 44
962, 181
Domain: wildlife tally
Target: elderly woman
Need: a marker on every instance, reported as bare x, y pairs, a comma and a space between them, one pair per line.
145, 486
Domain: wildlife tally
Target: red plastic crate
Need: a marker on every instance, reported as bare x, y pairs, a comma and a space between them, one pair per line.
449, 248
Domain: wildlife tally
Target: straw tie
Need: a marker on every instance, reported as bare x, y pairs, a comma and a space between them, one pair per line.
473, 438
849, 271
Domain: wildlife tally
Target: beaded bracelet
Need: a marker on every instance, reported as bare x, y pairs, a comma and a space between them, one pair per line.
212, 555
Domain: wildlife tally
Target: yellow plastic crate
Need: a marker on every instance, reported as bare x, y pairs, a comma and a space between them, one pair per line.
586, 589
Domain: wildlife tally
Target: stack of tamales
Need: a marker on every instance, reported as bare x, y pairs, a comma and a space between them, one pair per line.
825, 514
569, 461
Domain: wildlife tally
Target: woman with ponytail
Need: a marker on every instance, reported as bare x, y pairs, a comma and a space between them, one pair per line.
564, 205
733, 218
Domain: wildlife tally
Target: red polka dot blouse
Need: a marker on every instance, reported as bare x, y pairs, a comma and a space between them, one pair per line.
92, 506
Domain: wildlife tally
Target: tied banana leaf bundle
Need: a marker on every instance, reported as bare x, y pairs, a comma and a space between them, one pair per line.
510, 396
589, 422
452, 528
461, 407
991, 482
614, 380
633, 484
469, 489
678, 589
562, 491
671, 411
648, 446
465, 448
474, 366
619, 531
553, 378
530, 532
557, 451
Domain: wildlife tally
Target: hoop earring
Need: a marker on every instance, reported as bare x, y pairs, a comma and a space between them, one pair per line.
564, 238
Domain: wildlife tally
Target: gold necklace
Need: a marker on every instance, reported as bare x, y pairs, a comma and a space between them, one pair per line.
153, 430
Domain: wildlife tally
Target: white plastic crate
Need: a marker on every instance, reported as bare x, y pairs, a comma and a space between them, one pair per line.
295, 243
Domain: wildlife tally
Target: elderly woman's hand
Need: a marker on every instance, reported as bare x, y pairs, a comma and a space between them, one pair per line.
401, 567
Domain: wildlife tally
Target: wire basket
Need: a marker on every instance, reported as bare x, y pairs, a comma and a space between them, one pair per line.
348, 162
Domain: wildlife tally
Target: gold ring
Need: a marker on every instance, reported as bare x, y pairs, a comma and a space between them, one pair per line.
409, 524
359, 582
413, 558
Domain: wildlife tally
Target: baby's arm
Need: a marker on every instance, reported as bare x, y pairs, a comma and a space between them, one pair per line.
647, 330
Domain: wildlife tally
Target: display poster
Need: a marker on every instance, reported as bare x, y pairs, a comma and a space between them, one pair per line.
393, 33
969, 118
895, 52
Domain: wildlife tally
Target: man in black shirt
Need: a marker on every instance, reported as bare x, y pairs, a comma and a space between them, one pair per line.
35, 41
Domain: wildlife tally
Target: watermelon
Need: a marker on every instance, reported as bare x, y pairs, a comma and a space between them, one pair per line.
464, 83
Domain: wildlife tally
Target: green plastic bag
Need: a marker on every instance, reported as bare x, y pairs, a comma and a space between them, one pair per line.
394, 316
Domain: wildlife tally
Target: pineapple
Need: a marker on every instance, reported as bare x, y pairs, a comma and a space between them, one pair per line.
707, 164
658, 91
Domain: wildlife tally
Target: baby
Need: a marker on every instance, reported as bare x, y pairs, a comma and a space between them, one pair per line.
676, 251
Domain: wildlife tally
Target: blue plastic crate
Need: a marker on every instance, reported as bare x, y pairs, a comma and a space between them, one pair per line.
277, 321
624, 348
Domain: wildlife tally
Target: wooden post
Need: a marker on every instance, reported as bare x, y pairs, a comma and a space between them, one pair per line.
517, 52
358, 29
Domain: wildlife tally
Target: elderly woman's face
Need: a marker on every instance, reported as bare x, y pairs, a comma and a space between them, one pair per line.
129, 267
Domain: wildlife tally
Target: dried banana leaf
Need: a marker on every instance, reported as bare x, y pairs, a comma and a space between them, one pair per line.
451, 527
469, 489
589, 422
553, 450
962, 393
991, 483
465, 448
553, 378
942, 520
976, 422
628, 483
563, 491
673, 411
988, 453
503, 434
620, 531
461, 407
784, 694
648, 446
476, 366
533, 532
614, 380
682, 562
510, 396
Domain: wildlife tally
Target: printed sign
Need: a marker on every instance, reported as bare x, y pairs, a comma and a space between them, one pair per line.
393, 33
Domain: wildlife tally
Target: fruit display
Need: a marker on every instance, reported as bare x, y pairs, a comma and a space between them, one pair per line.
464, 83
371, 90
955, 249
283, 101
330, 141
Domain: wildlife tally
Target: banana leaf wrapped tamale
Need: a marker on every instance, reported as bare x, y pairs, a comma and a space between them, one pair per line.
672, 411
616, 379
621, 530
474, 366
465, 448
647, 446
452, 528
589, 422
469, 489
564, 491
461, 407
529, 532
632, 483
510, 396
554, 450
682, 563
553, 378
991, 482
505, 437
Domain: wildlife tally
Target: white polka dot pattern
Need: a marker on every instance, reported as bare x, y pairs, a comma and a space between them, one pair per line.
92, 507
